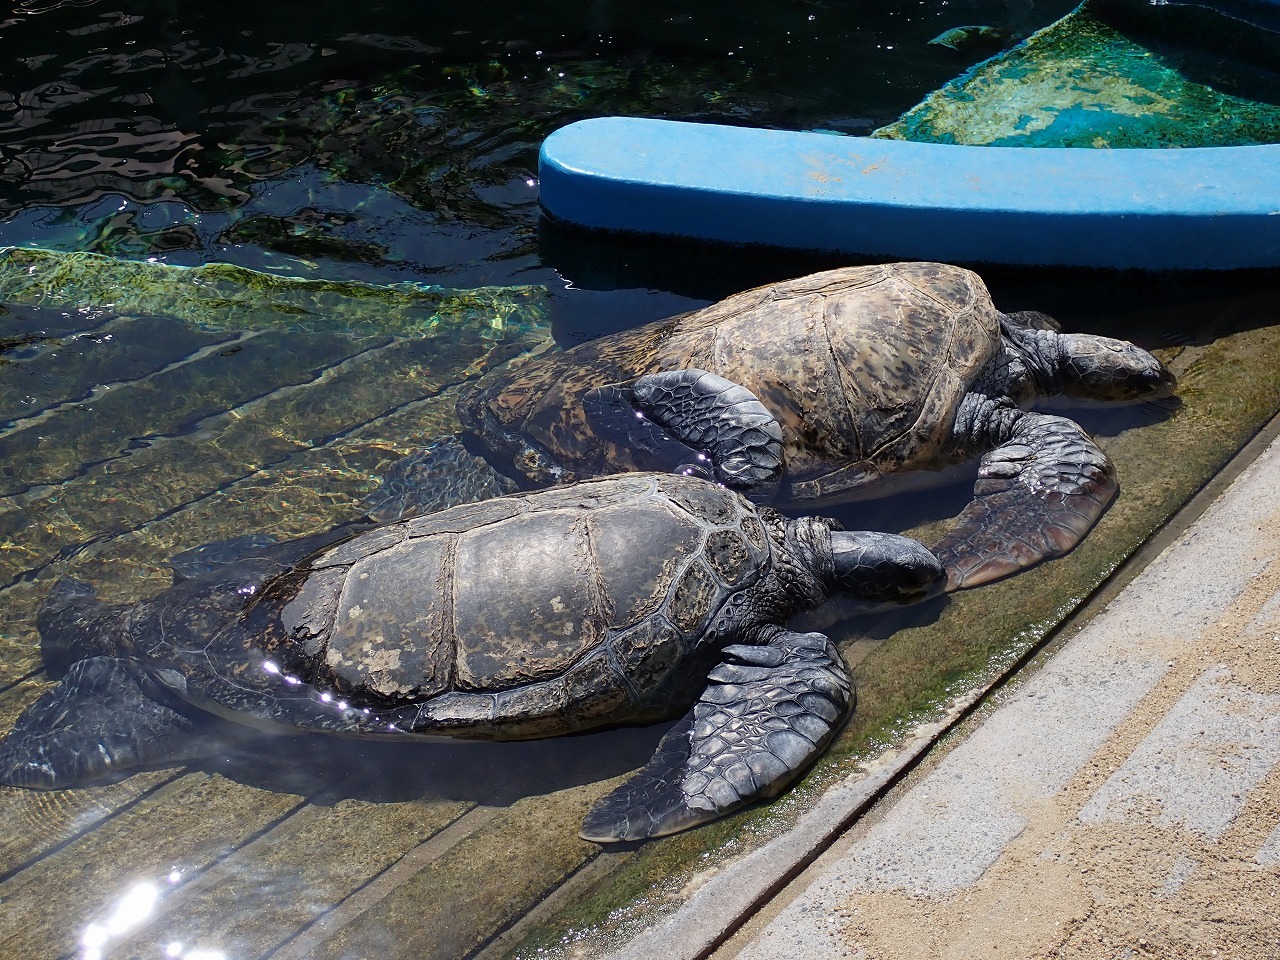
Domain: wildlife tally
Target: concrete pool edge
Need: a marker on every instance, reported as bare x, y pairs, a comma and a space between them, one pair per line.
1203, 208
731, 911
1171, 659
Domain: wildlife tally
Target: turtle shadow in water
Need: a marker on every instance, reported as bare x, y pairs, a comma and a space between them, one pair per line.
1101, 419
327, 770
880, 626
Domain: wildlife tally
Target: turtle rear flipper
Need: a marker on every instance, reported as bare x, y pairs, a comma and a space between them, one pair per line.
1037, 495
208, 557
442, 474
767, 713
74, 625
236, 556
96, 722
703, 418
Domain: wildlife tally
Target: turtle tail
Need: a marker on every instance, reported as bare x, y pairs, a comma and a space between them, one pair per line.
73, 624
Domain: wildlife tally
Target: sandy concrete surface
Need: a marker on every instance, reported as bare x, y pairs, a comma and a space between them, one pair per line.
1121, 801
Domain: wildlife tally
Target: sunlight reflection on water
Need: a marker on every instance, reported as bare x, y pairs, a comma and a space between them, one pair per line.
131, 912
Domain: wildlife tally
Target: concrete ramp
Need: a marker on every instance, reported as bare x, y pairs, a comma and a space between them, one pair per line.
1120, 802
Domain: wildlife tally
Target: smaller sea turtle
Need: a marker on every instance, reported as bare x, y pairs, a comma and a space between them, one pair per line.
832, 387
622, 600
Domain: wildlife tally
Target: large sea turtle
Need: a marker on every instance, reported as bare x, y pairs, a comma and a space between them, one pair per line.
620, 600
831, 387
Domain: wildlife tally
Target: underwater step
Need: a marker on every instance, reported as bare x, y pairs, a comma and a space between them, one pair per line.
1196, 208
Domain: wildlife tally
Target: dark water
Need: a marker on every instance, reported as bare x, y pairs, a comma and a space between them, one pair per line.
387, 140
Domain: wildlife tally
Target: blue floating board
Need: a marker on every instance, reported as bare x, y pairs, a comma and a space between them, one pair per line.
1196, 208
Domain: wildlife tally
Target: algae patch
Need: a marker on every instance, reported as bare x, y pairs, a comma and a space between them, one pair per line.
1082, 82
223, 296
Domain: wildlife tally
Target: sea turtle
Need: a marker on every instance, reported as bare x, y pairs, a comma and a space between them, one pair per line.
621, 600
833, 387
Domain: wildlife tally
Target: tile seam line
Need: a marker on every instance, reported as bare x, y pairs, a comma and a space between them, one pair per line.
327, 926
506, 934
80, 833
196, 876
188, 429
97, 391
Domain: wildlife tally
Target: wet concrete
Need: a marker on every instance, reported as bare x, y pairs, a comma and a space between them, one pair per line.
1103, 798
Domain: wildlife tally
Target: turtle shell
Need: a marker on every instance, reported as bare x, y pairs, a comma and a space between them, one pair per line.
532, 614
864, 368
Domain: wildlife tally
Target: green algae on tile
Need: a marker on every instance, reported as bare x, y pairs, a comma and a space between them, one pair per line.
1083, 83
223, 296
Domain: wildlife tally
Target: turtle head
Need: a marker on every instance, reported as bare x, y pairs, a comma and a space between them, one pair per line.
884, 567
1102, 368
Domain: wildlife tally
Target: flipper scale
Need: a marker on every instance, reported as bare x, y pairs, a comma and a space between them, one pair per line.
744, 741
1035, 498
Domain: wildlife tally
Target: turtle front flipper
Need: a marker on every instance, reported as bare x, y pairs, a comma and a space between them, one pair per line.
96, 722
765, 716
1037, 495
442, 474
710, 418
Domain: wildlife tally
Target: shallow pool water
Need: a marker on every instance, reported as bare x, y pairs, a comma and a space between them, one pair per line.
373, 166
